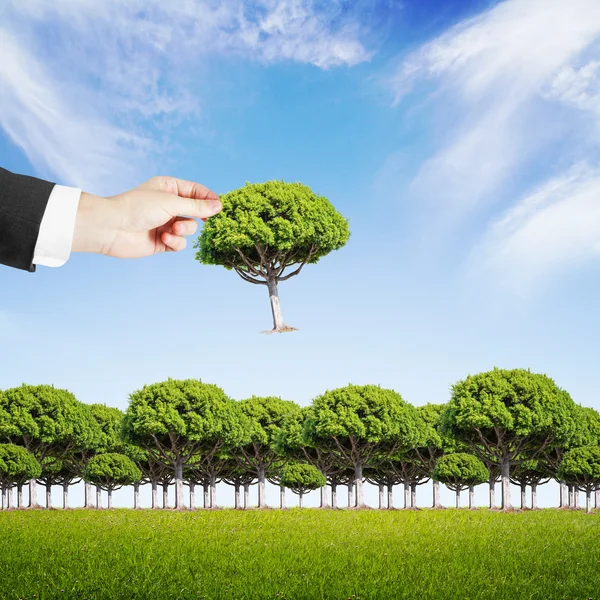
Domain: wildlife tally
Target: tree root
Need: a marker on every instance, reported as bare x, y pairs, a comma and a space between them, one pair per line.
282, 329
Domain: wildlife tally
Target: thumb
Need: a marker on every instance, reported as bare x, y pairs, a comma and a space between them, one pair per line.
190, 207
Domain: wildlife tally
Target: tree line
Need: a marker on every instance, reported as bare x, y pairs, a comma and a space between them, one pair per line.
511, 426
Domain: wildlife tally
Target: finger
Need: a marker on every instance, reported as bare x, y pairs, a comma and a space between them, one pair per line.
181, 187
175, 243
184, 226
199, 209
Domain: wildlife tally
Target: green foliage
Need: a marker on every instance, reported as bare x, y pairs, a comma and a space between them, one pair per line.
182, 417
271, 223
301, 477
111, 471
17, 465
460, 470
266, 416
109, 421
46, 420
530, 472
581, 467
362, 421
502, 413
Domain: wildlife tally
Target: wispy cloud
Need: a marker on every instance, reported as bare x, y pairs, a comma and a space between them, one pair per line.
556, 227
108, 71
492, 74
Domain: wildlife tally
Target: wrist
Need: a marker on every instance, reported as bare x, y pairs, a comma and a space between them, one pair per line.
93, 231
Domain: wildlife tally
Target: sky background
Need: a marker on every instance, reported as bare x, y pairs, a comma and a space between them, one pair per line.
459, 137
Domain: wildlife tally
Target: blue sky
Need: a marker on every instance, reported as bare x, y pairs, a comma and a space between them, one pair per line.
459, 138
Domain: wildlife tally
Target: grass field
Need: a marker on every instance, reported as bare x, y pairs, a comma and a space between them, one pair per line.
299, 554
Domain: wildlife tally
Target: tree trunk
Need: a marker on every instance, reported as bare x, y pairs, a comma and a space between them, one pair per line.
358, 477
457, 497
192, 496
563, 494
48, 496
282, 496
246, 495
65, 495
436, 494
570, 488
213, 491
20, 495
136, 495
588, 501
534, 496
33, 503
523, 496
505, 466
109, 493
380, 496
390, 497
237, 495
471, 497
4, 505
413, 495
406, 494
179, 483
206, 500
154, 495
324, 497
576, 497
165, 488
597, 494
350, 499
11, 497
334, 495
87, 501
300, 499
277, 316
98, 497
262, 500
492, 492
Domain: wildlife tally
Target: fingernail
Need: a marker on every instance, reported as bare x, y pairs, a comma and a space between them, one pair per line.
215, 206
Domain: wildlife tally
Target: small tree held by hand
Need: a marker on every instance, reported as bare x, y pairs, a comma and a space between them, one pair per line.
267, 232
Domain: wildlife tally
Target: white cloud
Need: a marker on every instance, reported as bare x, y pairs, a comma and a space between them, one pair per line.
85, 78
555, 228
492, 73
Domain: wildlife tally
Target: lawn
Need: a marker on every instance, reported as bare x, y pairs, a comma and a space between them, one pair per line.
299, 554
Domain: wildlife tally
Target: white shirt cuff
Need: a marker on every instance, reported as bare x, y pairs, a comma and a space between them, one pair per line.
53, 246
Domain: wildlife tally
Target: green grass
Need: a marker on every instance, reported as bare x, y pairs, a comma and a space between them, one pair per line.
449, 554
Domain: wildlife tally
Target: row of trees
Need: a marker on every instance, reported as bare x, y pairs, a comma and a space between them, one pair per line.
502, 425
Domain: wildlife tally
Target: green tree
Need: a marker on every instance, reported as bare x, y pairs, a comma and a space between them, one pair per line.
17, 466
267, 232
530, 472
581, 467
502, 414
363, 425
56, 471
111, 471
259, 452
292, 444
181, 419
301, 478
47, 421
461, 471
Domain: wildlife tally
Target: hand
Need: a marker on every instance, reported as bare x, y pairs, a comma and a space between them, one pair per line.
149, 219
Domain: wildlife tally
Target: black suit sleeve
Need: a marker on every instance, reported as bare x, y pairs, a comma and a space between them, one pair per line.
23, 201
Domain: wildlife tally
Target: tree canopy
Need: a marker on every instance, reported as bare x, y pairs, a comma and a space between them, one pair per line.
17, 465
267, 232
503, 414
181, 419
363, 425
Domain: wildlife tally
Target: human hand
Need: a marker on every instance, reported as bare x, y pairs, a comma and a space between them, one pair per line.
149, 219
